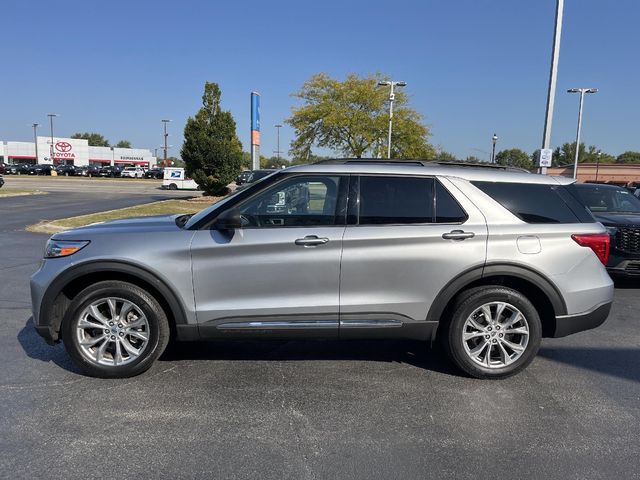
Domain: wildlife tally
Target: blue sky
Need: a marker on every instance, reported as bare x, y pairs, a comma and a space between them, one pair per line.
473, 67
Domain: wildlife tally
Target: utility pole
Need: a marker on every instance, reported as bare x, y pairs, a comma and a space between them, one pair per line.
392, 84
494, 140
51, 115
278, 152
166, 135
581, 91
35, 139
553, 75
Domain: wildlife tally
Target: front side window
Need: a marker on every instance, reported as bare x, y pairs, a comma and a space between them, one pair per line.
296, 202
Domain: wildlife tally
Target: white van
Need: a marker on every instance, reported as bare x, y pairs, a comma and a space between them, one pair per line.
175, 179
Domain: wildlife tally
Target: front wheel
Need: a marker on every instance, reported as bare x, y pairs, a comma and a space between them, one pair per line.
495, 332
115, 329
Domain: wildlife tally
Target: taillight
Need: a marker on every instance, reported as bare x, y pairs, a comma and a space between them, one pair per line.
598, 242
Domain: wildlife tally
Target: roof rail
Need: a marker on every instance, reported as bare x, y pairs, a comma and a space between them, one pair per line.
423, 163
343, 161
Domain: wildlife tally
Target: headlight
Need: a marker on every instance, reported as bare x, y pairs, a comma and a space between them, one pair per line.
63, 248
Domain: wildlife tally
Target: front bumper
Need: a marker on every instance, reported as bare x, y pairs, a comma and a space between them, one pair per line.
569, 324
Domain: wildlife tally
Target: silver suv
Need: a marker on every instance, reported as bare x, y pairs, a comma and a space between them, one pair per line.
486, 261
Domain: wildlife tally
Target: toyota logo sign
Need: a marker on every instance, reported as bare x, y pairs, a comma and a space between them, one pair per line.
63, 146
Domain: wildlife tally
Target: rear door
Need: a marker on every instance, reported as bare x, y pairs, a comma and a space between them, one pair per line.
406, 238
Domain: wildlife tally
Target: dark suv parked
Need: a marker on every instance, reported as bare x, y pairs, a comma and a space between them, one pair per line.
618, 210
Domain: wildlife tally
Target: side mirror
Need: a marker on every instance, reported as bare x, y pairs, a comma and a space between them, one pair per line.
228, 220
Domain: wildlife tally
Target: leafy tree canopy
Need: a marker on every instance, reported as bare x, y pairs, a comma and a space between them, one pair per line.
628, 157
94, 139
515, 157
123, 144
565, 155
351, 117
211, 150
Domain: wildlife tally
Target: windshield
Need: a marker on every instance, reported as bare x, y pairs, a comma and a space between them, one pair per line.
608, 200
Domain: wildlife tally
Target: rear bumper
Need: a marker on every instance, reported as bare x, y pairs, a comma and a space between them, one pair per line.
569, 324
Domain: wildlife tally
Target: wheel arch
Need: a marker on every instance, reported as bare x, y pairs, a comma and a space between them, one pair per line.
541, 291
65, 287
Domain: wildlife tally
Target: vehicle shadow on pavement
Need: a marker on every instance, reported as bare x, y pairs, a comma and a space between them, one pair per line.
626, 282
417, 354
36, 347
623, 363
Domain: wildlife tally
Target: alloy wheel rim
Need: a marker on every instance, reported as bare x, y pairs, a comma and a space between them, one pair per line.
112, 331
495, 335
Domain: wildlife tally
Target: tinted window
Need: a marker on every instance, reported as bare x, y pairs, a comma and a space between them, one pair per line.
395, 200
535, 203
297, 202
447, 208
607, 199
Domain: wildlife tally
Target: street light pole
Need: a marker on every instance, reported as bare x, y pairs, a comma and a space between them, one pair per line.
553, 75
278, 127
581, 91
494, 139
166, 135
51, 115
597, 165
35, 139
392, 84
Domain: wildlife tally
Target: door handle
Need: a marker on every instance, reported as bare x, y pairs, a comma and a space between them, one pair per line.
311, 241
458, 235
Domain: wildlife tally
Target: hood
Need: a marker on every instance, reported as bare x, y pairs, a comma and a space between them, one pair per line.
152, 224
613, 219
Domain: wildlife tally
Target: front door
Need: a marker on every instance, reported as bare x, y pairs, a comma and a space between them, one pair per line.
280, 273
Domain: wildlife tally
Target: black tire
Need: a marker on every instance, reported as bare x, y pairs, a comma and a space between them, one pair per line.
158, 328
470, 301
173, 186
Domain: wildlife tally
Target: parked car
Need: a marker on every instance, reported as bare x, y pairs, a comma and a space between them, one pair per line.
1, 181
618, 210
68, 170
157, 173
89, 171
485, 261
243, 177
38, 169
110, 171
254, 176
132, 172
2, 169
17, 169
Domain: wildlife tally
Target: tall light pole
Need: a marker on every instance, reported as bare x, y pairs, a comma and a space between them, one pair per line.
494, 140
392, 84
51, 115
277, 152
166, 135
581, 91
553, 75
598, 164
35, 139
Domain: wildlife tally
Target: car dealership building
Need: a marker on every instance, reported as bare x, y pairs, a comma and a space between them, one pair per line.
72, 151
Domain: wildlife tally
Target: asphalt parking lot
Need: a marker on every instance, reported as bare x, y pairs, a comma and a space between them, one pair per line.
306, 410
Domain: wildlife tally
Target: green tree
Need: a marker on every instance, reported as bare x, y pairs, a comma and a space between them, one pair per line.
123, 144
628, 157
274, 162
352, 117
444, 156
565, 155
514, 157
94, 139
211, 150
473, 159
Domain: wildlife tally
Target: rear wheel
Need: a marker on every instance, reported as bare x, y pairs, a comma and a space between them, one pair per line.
173, 186
115, 329
495, 332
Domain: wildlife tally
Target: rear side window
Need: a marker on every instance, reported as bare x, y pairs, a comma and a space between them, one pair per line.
537, 203
447, 208
395, 200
